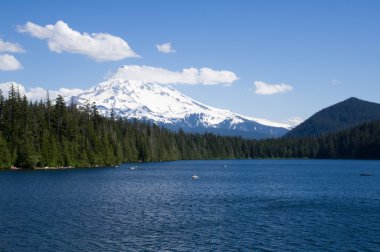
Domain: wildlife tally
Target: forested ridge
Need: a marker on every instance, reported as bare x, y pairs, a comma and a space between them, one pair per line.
54, 134
346, 114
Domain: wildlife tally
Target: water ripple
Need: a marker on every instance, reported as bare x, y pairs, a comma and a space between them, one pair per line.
256, 205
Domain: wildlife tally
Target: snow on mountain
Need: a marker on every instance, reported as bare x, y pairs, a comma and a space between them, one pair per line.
6, 87
37, 93
166, 106
160, 104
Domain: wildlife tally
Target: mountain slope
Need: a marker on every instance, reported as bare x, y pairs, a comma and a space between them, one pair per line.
168, 107
345, 114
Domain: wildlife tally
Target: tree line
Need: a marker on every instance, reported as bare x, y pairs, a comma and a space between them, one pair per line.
54, 134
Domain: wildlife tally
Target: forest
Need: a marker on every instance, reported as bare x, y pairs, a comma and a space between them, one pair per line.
346, 114
58, 134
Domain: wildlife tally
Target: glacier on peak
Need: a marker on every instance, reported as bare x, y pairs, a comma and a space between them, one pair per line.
163, 105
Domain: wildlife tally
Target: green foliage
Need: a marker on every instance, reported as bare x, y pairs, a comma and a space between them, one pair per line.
53, 134
5, 155
340, 116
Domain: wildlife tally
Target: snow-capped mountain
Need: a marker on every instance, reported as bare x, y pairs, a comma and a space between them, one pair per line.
160, 104
168, 107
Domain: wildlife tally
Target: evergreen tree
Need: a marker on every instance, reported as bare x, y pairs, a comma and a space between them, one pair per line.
53, 134
5, 155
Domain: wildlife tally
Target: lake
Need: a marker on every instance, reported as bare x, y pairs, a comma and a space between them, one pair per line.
246, 205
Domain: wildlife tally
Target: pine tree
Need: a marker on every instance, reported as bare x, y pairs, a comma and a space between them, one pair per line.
5, 155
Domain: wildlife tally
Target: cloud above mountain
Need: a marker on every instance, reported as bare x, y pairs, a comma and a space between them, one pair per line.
10, 47
38, 93
336, 82
191, 76
263, 88
165, 48
9, 63
98, 46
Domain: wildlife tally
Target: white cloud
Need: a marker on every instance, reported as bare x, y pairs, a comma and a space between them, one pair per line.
336, 82
9, 63
263, 88
10, 47
165, 48
296, 120
38, 93
206, 76
98, 46
288, 124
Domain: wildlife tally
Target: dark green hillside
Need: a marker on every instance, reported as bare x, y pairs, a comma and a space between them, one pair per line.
343, 115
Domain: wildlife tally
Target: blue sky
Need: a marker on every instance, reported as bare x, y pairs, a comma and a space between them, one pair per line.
316, 52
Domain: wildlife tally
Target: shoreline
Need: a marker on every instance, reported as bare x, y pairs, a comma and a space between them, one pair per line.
46, 168
13, 168
53, 168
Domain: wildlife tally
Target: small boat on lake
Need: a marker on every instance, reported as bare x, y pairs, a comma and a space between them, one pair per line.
195, 177
366, 174
132, 168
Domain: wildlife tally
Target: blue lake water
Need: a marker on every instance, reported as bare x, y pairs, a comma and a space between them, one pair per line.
250, 205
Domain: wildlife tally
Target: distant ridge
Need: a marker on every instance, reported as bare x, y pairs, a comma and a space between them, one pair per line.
343, 115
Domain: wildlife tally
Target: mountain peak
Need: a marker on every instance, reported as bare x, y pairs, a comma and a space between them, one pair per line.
164, 105
353, 99
345, 114
116, 81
